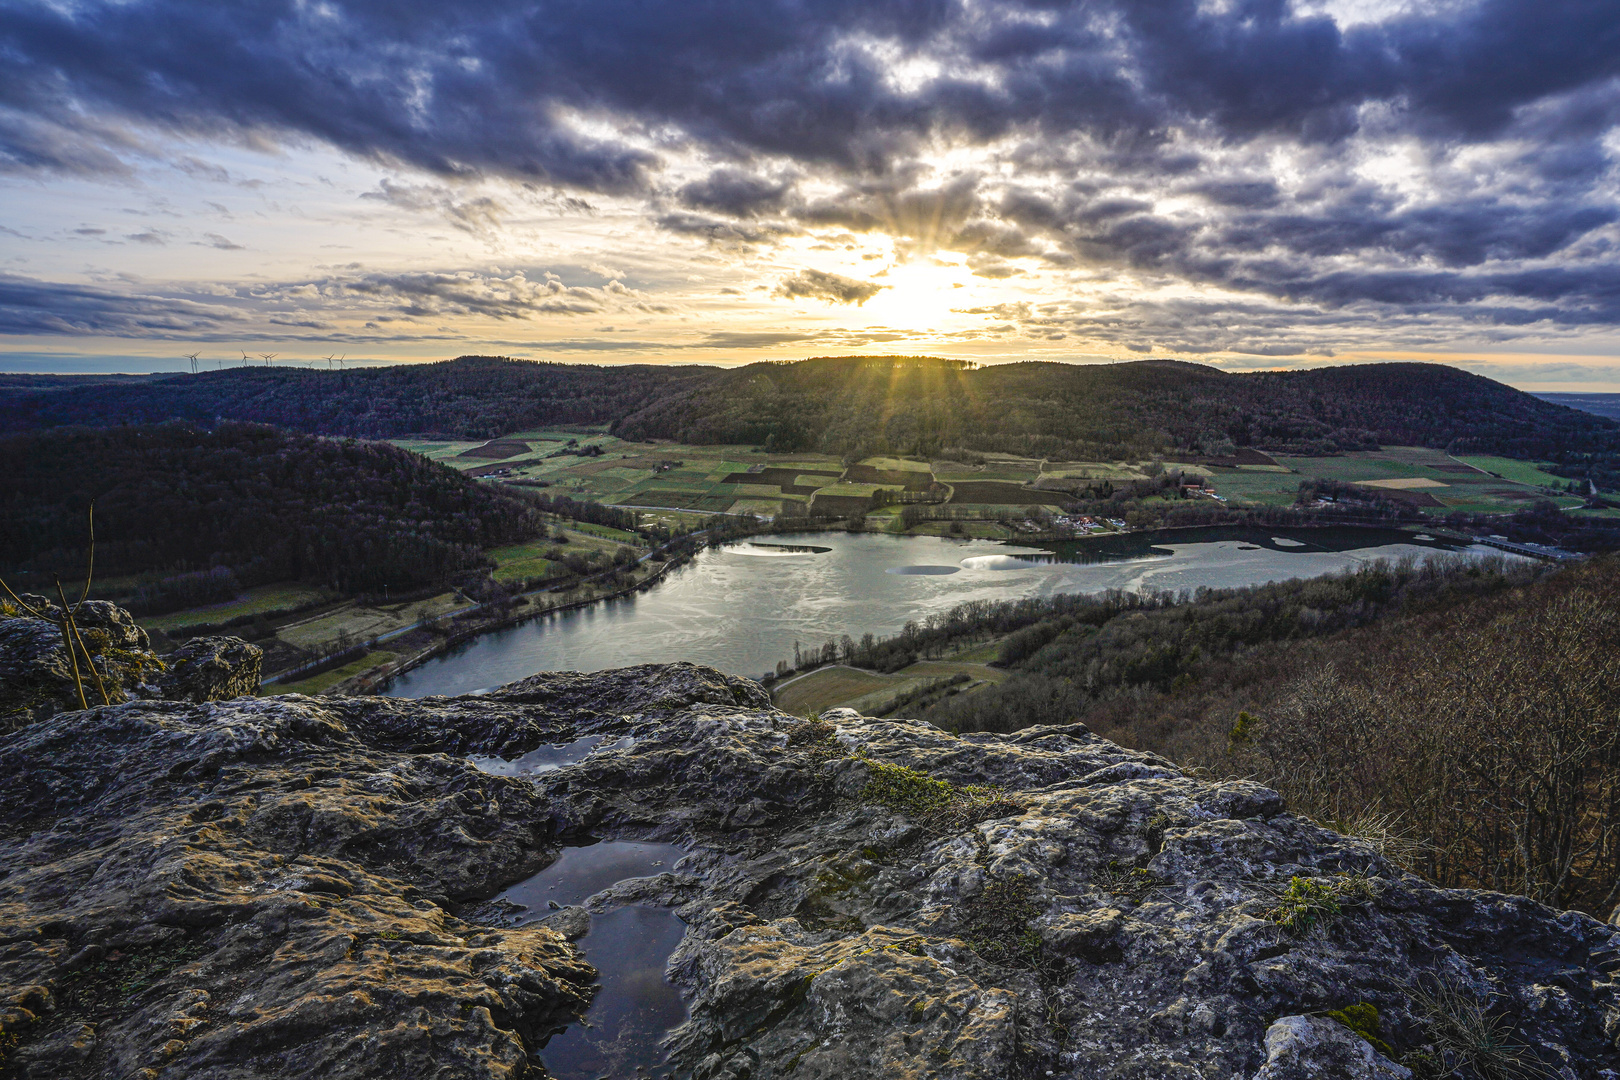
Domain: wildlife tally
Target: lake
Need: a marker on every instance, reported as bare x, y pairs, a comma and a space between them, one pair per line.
741, 607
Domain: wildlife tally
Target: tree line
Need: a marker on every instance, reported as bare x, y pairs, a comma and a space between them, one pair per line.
867, 405
191, 511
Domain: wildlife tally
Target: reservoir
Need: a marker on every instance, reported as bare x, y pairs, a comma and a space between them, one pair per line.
741, 607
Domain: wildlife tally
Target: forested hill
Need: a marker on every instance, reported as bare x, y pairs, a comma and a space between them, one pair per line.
872, 405
1075, 412
472, 396
244, 502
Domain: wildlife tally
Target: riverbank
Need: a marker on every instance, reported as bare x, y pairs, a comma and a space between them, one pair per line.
527, 607
423, 644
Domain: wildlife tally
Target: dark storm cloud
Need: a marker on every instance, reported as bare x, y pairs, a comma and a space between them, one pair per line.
28, 306
33, 306
1102, 110
833, 288
457, 86
740, 194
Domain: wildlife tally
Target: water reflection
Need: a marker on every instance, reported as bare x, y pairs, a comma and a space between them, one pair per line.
742, 614
621, 1034
774, 551
582, 872
546, 758
1005, 562
925, 571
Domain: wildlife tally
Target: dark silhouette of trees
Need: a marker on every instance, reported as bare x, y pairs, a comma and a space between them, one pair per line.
259, 504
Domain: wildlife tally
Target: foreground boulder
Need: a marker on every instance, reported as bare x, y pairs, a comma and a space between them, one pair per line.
37, 673
299, 887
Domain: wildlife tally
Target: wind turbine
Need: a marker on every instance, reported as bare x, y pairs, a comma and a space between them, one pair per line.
267, 357
244, 357
193, 358
329, 360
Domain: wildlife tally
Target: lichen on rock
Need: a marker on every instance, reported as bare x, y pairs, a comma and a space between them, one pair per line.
115, 663
300, 887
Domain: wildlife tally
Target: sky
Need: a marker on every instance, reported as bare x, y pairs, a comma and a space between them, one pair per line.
1244, 183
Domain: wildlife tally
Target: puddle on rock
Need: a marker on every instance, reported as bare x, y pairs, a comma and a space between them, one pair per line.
546, 758
635, 1007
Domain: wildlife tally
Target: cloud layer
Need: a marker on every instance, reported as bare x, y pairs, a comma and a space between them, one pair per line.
1196, 175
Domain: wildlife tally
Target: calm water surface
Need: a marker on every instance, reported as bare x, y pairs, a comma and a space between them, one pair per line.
622, 1032
740, 608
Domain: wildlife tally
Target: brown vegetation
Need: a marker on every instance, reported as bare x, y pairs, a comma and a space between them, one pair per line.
1492, 734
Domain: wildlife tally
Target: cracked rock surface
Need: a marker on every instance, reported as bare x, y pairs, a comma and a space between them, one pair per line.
301, 887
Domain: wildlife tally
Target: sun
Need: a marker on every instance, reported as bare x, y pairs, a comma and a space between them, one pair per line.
919, 296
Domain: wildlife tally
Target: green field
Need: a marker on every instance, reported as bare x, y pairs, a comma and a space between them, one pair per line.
1087, 470
827, 687
316, 684
357, 623
523, 562
1267, 488
266, 600
438, 451
870, 693
1464, 488
640, 475
1520, 472
890, 464
606, 532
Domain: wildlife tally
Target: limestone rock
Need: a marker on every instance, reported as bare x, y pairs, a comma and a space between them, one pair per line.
1315, 1048
301, 887
36, 672
209, 669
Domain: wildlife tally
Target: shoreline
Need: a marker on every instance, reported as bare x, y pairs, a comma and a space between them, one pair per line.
367, 682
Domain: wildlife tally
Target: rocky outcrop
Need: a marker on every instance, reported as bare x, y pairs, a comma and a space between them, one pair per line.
207, 669
298, 887
37, 671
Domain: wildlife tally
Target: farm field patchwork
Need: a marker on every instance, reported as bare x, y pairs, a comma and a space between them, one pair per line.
1466, 487
744, 480
357, 622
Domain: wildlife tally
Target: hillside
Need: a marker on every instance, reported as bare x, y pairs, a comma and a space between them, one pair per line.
922, 407
876, 405
473, 397
240, 505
